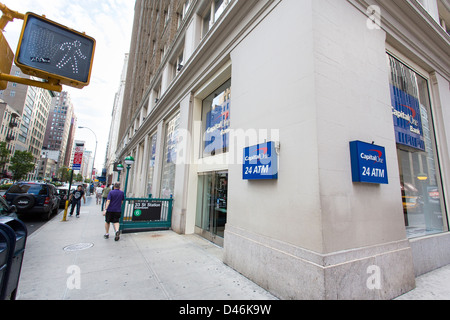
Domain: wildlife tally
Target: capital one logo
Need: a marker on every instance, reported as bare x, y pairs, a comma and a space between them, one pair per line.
259, 156
376, 156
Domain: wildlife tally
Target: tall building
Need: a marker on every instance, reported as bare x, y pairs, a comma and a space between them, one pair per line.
34, 105
59, 125
116, 115
310, 138
9, 122
70, 142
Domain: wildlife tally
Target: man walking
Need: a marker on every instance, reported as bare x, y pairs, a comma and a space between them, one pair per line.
76, 196
105, 196
98, 194
113, 211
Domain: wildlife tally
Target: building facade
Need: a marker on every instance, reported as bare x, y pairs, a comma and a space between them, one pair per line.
9, 122
59, 125
209, 80
111, 151
33, 104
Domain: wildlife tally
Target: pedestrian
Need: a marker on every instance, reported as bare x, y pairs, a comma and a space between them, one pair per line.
98, 194
76, 197
113, 211
105, 195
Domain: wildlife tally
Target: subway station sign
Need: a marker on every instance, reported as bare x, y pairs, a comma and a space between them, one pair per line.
261, 162
368, 163
145, 210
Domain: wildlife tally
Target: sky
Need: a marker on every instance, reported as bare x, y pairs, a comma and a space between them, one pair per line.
110, 23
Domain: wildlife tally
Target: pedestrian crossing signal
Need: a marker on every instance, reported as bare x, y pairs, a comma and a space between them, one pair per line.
51, 51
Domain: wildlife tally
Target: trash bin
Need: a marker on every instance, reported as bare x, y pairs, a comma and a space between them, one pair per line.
5, 256
17, 232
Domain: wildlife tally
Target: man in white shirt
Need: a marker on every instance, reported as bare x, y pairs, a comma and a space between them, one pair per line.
98, 194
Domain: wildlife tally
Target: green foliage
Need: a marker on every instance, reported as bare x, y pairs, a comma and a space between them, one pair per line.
64, 174
22, 163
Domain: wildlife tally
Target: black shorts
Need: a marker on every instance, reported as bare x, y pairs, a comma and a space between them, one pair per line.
113, 217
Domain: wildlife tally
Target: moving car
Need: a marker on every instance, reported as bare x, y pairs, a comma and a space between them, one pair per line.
33, 198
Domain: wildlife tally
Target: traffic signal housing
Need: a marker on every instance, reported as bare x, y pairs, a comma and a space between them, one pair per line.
51, 51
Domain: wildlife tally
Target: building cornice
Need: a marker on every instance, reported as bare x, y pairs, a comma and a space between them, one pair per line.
412, 30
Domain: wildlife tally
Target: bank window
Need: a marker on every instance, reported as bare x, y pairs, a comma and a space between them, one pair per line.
170, 157
151, 170
216, 121
421, 189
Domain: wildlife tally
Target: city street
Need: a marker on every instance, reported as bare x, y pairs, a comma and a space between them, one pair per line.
34, 222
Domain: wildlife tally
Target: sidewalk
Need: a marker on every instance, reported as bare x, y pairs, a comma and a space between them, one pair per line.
141, 266
145, 266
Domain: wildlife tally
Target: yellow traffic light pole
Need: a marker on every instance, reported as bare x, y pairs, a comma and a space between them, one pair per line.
52, 84
8, 16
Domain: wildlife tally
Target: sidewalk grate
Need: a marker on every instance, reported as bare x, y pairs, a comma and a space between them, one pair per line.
78, 247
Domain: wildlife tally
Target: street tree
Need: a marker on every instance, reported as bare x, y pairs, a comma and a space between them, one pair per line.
22, 163
64, 174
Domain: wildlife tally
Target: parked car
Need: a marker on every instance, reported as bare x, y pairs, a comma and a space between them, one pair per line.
63, 196
5, 181
33, 198
6, 210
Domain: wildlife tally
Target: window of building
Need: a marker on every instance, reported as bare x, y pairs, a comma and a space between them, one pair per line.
151, 169
182, 11
166, 15
421, 188
213, 13
170, 157
216, 121
206, 22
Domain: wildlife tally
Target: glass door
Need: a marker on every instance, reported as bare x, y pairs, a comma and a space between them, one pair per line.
212, 206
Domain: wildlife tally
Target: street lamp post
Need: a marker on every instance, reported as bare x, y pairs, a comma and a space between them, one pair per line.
119, 170
95, 153
129, 161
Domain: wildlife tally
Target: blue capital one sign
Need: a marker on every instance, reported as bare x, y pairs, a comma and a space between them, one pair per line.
261, 162
368, 163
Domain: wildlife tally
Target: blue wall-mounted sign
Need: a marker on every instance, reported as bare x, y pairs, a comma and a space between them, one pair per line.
261, 162
368, 163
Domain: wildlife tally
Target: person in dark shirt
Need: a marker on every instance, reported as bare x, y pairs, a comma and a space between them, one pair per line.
113, 211
76, 197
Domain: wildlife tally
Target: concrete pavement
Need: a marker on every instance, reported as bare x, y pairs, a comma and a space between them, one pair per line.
72, 261
141, 266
